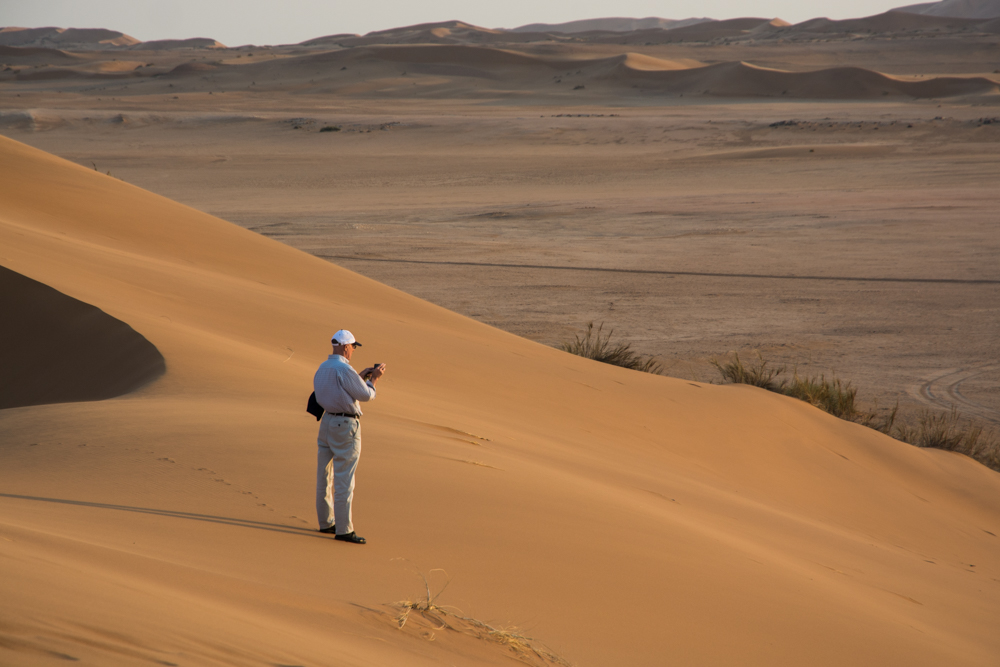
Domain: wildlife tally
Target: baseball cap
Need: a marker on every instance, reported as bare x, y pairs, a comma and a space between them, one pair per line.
344, 337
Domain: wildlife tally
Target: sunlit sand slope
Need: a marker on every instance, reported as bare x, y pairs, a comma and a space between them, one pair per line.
619, 517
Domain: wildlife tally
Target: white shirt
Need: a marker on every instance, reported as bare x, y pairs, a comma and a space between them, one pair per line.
338, 387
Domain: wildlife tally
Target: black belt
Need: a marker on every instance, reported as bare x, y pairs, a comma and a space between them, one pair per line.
343, 414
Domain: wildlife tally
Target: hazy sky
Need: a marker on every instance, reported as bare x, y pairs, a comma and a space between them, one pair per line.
236, 22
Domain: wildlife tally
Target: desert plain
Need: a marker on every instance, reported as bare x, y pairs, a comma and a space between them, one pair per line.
464, 200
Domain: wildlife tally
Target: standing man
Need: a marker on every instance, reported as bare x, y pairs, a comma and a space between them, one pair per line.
338, 389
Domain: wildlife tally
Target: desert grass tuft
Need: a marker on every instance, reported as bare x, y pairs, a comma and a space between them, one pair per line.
523, 647
948, 430
596, 345
833, 396
757, 374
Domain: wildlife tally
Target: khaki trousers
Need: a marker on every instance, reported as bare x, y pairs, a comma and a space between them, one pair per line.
339, 448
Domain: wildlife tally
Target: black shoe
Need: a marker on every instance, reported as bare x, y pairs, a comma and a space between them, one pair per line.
331, 529
351, 537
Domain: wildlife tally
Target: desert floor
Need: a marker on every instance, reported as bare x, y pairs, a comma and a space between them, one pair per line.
859, 243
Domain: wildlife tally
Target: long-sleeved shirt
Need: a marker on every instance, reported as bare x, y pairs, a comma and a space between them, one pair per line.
338, 387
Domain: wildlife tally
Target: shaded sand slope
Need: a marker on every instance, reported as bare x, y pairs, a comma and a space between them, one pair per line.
57, 349
619, 517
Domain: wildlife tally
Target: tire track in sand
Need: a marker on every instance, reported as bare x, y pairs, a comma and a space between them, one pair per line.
944, 390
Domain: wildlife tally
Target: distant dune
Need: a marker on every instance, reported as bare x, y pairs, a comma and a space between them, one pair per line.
624, 74
610, 24
739, 79
458, 69
719, 29
889, 22
968, 9
77, 38
28, 55
447, 32
165, 44
95, 38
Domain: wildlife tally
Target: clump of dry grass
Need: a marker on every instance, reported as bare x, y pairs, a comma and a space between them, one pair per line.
598, 346
757, 374
522, 647
947, 430
833, 396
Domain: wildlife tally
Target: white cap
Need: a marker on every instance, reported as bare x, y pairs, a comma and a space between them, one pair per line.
344, 337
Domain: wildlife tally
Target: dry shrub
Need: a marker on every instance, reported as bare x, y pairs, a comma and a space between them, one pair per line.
598, 346
757, 374
947, 430
833, 396
522, 647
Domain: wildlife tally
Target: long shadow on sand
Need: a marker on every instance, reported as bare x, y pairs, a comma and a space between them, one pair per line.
763, 276
224, 520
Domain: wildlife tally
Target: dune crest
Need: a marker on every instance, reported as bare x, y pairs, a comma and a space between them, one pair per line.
972, 9
78, 38
167, 44
511, 70
614, 24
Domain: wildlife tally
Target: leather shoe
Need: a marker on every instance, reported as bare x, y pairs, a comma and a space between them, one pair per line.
331, 529
350, 537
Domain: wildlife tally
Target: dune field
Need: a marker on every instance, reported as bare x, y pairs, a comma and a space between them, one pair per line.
183, 225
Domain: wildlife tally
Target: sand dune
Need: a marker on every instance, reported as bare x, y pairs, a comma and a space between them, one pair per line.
620, 517
892, 21
446, 32
374, 69
719, 29
449, 69
192, 68
970, 9
77, 38
745, 80
168, 44
94, 38
28, 55
612, 24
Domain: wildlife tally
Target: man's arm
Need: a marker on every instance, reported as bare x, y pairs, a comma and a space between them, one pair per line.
355, 387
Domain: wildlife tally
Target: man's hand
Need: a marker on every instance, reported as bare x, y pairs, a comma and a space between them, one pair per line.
373, 373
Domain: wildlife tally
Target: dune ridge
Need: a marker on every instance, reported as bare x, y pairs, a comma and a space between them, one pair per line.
728, 79
981, 9
167, 44
538, 480
450, 68
740, 79
888, 22
610, 24
374, 69
79, 38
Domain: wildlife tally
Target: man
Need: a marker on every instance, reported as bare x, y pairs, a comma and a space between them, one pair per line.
338, 389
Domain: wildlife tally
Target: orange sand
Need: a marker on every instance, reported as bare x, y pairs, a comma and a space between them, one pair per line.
618, 517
